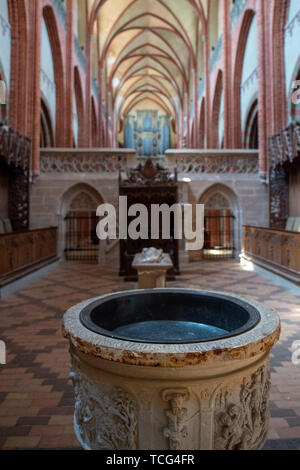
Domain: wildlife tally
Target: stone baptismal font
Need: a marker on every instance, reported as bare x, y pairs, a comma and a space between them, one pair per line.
171, 369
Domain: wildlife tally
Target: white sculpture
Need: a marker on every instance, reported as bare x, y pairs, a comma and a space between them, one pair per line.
151, 255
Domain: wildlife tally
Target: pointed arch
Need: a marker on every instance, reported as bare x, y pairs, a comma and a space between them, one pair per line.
222, 199
57, 56
238, 69
74, 194
251, 128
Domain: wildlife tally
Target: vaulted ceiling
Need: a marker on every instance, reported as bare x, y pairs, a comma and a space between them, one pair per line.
149, 49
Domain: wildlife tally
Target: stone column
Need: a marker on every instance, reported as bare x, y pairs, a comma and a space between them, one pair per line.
196, 124
262, 85
187, 114
227, 85
69, 74
207, 87
100, 97
34, 78
19, 76
88, 86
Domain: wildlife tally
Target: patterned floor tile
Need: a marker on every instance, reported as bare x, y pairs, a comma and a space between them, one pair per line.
36, 395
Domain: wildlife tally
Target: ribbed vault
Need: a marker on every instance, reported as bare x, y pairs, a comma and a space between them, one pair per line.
151, 54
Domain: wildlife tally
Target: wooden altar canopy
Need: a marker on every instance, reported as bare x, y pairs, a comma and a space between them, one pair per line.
148, 184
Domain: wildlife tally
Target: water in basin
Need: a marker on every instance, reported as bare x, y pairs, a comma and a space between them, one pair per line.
169, 330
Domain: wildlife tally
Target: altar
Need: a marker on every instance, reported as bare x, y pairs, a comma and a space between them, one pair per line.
149, 184
152, 266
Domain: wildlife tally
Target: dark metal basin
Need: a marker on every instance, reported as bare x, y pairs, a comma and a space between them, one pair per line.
169, 316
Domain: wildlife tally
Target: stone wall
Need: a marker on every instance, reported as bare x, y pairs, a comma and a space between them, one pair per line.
248, 197
50, 195
52, 191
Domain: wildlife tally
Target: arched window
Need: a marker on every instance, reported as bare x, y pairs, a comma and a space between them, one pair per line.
295, 105
251, 130
46, 135
3, 106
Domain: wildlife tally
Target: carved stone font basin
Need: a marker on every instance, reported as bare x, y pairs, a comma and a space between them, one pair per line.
171, 369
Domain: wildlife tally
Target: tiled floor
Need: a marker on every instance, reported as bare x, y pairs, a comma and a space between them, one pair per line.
36, 399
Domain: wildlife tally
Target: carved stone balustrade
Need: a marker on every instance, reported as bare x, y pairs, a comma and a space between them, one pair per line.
195, 162
109, 161
275, 250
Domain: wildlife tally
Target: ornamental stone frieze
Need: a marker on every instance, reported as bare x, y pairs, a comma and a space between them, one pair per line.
213, 161
85, 160
111, 161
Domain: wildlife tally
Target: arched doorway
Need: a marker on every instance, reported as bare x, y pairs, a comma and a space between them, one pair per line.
222, 223
79, 222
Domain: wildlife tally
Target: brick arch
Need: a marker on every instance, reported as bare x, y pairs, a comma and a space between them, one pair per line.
79, 106
18, 19
216, 107
57, 56
238, 70
280, 17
